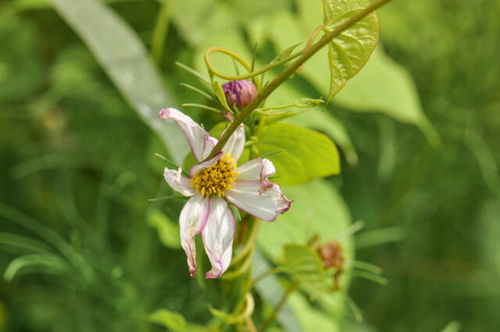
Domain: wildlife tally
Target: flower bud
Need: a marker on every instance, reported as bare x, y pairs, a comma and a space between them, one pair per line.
239, 93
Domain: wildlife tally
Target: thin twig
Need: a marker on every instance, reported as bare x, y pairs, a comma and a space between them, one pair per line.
268, 273
293, 286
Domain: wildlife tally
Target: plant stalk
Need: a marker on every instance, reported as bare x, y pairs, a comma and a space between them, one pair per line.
283, 76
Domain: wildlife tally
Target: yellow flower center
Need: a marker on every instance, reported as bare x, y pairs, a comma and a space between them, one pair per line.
216, 179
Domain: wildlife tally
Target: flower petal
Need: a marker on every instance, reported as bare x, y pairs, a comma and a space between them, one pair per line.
236, 143
218, 237
196, 168
265, 202
258, 169
193, 218
199, 140
178, 182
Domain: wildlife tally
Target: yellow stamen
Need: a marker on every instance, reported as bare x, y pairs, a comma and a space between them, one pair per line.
216, 179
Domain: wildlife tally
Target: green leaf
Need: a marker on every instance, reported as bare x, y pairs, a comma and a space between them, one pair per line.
311, 318
276, 113
174, 321
168, 230
382, 86
270, 290
219, 93
325, 122
37, 263
126, 61
317, 119
23, 243
285, 54
299, 154
349, 51
385, 86
306, 267
326, 215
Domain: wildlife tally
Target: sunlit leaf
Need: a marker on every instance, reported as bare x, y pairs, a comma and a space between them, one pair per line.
382, 86
306, 267
349, 51
299, 154
311, 318
276, 113
387, 87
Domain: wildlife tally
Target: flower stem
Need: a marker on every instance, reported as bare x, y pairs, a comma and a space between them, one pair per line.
293, 286
283, 76
250, 241
268, 273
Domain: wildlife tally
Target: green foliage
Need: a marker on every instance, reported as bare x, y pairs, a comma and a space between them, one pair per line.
395, 94
111, 41
348, 52
174, 321
299, 155
326, 216
277, 113
75, 157
306, 268
36, 263
21, 72
168, 231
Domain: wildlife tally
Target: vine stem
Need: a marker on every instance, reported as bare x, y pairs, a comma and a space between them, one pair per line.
289, 71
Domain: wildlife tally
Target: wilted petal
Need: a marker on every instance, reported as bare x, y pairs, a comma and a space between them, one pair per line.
218, 237
196, 168
236, 143
258, 169
264, 202
193, 218
178, 182
199, 140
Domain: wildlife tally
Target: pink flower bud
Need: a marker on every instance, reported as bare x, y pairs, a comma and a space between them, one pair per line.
239, 93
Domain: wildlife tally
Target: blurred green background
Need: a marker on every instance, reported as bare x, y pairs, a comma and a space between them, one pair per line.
81, 248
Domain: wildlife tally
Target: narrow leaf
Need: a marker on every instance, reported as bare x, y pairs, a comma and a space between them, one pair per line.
126, 61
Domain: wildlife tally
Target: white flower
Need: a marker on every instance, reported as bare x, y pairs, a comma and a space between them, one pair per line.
213, 183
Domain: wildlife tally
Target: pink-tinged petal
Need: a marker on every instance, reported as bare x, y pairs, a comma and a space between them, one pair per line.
199, 140
263, 202
196, 168
178, 182
236, 143
193, 218
218, 237
256, 170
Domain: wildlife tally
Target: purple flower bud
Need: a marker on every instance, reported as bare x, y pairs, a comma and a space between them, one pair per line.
239, 93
